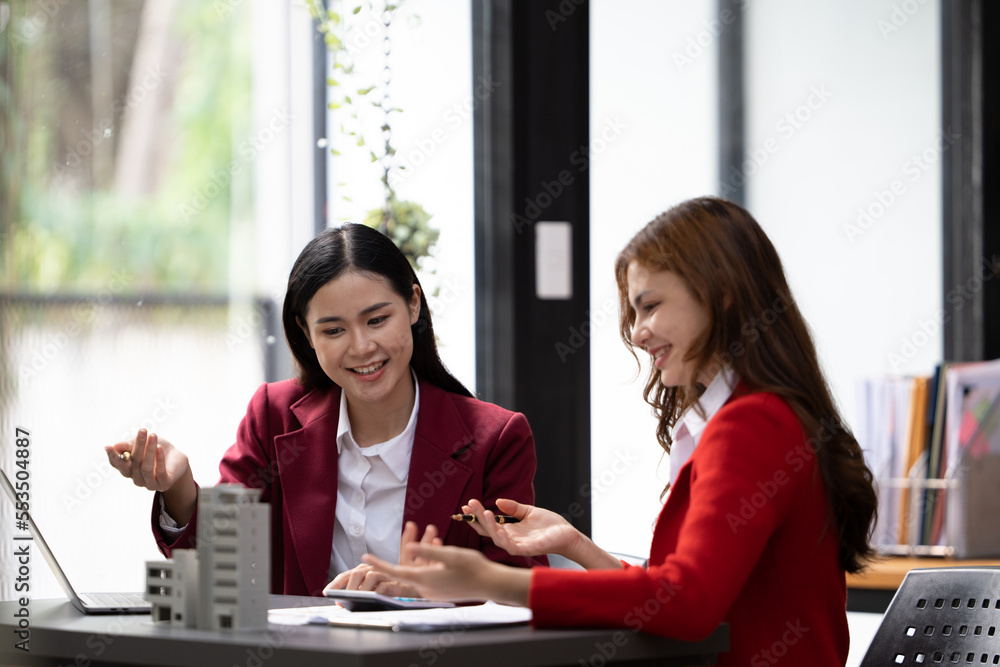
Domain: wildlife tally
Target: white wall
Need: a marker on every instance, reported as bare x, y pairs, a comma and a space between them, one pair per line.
873, 92
653, 71
867, 278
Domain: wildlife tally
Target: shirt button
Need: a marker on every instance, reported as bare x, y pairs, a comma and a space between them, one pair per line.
357, 529
360, 498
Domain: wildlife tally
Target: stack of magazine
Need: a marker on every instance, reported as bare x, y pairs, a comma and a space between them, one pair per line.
933, 444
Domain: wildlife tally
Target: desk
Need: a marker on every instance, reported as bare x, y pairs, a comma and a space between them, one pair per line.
62, 636
872, 590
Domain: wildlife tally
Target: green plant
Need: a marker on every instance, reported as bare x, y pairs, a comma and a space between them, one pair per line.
408, 229
405, 222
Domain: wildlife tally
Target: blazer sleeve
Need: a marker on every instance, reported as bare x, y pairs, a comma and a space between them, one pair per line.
246, 462
689, 592
510, 473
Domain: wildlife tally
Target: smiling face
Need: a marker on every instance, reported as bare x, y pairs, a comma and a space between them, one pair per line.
360, 329
668, 320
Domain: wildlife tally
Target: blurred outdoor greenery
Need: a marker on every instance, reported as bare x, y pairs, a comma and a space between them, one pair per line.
64, 226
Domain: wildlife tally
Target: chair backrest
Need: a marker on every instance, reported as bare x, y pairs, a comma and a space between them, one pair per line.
943, 616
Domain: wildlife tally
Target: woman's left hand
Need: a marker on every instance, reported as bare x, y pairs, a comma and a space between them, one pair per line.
458, 574
365, 578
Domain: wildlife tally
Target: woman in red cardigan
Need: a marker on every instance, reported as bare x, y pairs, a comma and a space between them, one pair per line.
770, 501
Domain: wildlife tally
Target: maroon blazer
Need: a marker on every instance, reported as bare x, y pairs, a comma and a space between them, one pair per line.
286, 445
744, 537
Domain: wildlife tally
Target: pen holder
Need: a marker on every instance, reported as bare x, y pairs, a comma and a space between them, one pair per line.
953, 516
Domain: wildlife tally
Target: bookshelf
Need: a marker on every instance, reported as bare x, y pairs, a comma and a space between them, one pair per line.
933, 445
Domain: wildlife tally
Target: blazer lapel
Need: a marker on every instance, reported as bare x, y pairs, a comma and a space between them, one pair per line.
307, 465
438, 473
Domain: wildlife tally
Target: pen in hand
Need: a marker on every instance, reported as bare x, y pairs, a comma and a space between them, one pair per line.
471, 518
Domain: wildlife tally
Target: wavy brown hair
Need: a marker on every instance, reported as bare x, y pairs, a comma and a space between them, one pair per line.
731, 268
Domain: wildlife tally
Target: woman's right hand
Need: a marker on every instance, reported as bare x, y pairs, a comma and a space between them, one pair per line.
538, 531
157, 465
154, 463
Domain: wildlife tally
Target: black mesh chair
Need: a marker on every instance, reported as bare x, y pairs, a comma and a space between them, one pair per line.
941, 616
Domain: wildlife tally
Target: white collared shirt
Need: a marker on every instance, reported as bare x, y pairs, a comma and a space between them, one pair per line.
371, 492
686, 433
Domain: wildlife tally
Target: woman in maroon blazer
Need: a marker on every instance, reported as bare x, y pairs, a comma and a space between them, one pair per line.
771, 501
375, 434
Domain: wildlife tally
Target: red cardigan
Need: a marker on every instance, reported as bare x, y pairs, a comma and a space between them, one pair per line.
286, 445
743, 537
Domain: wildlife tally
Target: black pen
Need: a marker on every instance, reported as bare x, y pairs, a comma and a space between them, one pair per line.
471, 518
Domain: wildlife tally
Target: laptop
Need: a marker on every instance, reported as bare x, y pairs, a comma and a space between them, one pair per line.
88, 603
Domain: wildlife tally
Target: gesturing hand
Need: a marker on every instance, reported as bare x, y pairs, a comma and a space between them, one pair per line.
457, 573
365, 578
538, 531
153, 463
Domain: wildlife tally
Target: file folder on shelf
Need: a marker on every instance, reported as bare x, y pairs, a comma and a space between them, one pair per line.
948, 502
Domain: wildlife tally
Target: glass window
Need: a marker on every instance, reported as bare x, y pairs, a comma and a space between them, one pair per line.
156, 184
416, 62
131, 137
653, 80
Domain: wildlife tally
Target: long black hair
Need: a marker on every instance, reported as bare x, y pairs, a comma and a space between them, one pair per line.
354, 247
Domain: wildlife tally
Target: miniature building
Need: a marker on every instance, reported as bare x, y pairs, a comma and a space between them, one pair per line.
225, 583
234, 569
172, 587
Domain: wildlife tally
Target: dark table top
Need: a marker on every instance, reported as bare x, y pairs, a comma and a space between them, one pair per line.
60, 635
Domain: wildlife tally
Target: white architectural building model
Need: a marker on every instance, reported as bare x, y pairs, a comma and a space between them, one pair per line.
225, 584
172, 588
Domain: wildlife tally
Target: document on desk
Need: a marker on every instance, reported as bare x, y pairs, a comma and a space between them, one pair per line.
486, 615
